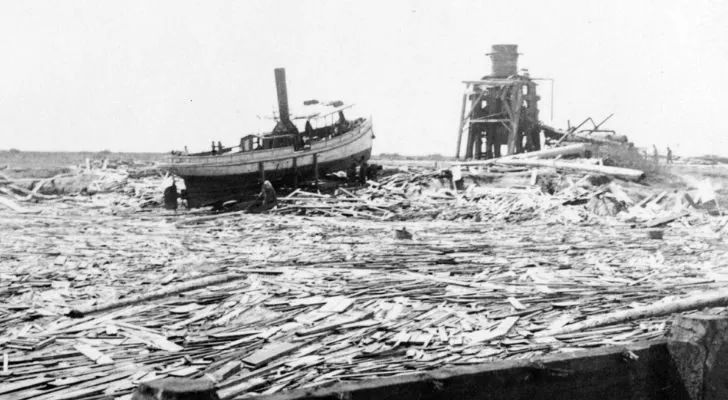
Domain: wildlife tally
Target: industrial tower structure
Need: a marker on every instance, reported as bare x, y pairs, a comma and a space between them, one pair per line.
501, 108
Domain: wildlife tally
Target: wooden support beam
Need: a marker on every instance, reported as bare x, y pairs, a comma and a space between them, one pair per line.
514, 138
698, 345
469, 144
295, 172
461, 125
316, 170
261, 169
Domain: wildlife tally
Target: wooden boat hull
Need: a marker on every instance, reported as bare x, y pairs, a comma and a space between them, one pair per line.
233, 176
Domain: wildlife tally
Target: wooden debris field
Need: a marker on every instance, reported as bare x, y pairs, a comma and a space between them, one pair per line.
100, 293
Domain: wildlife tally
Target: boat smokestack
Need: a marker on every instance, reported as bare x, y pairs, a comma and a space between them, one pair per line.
283, 114
284, 126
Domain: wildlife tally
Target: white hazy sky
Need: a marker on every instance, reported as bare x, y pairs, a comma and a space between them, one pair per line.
158, 75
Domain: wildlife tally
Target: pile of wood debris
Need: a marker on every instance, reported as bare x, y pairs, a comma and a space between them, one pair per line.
510, 195
262, 303
101, 292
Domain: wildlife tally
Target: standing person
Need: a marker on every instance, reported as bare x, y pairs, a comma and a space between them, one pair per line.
351, 173
363, 171
213, 148
373, 171
170, 196
669, 155
655, 155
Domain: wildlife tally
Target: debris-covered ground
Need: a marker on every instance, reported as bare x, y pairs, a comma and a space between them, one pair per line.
405, 275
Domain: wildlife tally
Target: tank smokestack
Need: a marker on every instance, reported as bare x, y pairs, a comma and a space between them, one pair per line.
505, 60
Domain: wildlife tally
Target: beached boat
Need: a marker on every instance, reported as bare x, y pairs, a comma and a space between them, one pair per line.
285, 156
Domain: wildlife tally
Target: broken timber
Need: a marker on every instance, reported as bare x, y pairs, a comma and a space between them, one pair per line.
639, 371
625, 173
190, 285
574, 149
715, 299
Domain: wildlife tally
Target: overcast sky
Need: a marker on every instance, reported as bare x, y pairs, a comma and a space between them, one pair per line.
159, 75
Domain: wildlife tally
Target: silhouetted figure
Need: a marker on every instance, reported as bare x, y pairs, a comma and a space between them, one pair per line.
213, 148
170, 197
373, 172
363, 171
351, 173
669, 155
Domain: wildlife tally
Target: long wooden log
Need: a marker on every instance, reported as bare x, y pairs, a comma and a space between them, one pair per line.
206, 218
16, 207
626, 173
571, 149
714, 299
186, 286
578, 148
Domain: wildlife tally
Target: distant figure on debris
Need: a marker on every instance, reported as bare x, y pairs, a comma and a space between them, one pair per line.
219, 147
655, 155
669, 155
373, 172
170, 197
266, 200
269, 195
183, 196
213, 148
363, 171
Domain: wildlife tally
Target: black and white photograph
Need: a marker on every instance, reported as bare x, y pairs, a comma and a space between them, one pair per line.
363, 200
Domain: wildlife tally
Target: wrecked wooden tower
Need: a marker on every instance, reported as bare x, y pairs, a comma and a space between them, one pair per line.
501, 108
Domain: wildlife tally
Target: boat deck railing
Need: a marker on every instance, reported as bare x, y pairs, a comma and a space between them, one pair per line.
264, 154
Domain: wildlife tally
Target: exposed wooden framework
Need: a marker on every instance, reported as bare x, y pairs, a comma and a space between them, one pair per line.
498, 111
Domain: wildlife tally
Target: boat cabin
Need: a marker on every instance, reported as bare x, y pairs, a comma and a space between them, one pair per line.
317, 122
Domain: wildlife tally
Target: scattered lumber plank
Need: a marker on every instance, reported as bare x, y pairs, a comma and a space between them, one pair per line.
208, 218
665, 220
16, 207
187, 286
271, 352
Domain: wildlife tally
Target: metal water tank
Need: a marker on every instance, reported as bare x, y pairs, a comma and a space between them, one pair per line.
505, 60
